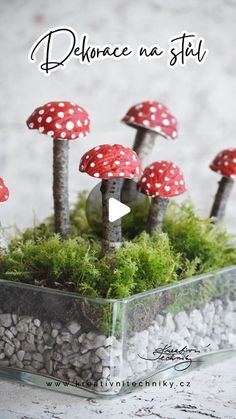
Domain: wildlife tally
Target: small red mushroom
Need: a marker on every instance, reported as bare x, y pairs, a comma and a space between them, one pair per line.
111, 163
4, 195
4, 192
151, 119
161, 181
62, 121
224, 164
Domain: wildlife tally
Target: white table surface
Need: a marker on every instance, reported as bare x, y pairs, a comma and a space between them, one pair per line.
212, 394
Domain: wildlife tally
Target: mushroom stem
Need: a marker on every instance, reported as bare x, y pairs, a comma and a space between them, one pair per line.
111, 231
143, 144
60, 187
156, 214
221, 198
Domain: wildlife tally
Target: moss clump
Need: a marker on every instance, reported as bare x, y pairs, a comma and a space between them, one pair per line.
202, 245
189, 246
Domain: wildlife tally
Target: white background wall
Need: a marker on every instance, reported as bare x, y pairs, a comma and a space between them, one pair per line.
202, 97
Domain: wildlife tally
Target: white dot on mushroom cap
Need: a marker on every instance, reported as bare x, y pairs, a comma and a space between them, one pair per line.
146, 123
127, 163
52, 109
153, 117
139, 106
110, 174
97, 148
167, 188
152, 174
174, 134
57, 125
87, 156
173, 120
121, 174
166, 122
134, 157
148, 185
234, 160
100, 156
63, 134
140, 114
131, 175
131, 119
226, 163
49, 119
158, 185
81, 134
176, 182
92, 164
73, 136
39, 119
69, 125
31, 125
41, 112
61, 104
152, 109
71, 111
158, 128
117, 162
80, 110
79, 123
49, 104
160, 106
105, 163
86, 122
143, 179
96, 174
167, 179
225, 156
181, 182
122, 153
51, 133
137, 170
60, 114
41, 129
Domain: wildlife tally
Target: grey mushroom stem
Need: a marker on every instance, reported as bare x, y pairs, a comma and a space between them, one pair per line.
60, 187
221, 199
111, 231
156, 214
143, 144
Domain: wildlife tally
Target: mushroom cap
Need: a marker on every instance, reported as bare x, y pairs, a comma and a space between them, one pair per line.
154, 116
61, 120
162, 178
225, 163
4, 192
110, 161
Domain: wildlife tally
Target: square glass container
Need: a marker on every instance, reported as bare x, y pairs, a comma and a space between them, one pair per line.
92, 346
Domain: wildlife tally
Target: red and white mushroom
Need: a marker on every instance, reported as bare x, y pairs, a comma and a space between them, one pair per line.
4, 195
63, 122
224, 164
111, 163
151, 119
161, 181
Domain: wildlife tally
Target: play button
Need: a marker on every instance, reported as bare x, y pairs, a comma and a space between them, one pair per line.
117, 210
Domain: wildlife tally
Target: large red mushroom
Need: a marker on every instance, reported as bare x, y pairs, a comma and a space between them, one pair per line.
151, 119
4, 195
224, 164
63, 122
111, 163
161, 181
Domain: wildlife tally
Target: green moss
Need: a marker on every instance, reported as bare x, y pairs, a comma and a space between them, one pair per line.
188, 246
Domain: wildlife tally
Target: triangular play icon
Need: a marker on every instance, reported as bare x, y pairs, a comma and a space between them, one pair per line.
117, 210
